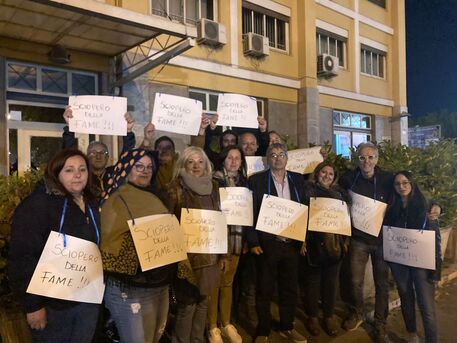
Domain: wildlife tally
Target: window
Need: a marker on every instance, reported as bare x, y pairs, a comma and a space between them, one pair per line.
184, 11
35, 79
332, 44
209, 100
350, 129
381, 3
372, 61
266, 23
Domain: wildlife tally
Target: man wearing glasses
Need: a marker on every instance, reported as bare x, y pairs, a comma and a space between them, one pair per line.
370, 181
97, 152
276, 256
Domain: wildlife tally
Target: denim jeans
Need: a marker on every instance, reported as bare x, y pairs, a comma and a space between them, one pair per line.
358, 255
72, 324
140, 313
190, 322
413, 283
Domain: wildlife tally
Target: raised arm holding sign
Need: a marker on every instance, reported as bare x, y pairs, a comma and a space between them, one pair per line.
177, 114
96, 114
237, 110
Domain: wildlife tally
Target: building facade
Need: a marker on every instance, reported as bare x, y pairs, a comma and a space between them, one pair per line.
321, 70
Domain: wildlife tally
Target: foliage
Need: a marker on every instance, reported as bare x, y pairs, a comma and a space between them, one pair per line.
434, 169
13, 189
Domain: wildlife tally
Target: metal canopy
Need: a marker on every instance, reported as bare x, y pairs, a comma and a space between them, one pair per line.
83, 25
90, 26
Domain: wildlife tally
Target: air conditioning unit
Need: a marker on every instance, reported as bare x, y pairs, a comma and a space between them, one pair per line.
256, 45
327, 65
211, 33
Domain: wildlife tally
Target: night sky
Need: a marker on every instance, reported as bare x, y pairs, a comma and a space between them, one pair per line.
431, 50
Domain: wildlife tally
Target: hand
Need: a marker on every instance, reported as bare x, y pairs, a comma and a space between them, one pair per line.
130, 121
213, 121
68, 114
262, 124
38, 319
434, 213
256, 250
224, 264
324, 153
203, 124
149, 131
303, 249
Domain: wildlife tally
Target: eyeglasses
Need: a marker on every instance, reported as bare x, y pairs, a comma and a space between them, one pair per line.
280, 155
367, 158
141, 168
98, 153
404, 183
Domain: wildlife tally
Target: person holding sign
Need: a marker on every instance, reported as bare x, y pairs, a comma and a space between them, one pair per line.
323, 254
373, 185
276, 256
193, 188
408, 210
98, 151
68, 207
137, 300
232, 174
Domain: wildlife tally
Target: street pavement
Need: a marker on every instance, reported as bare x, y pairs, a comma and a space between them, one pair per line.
446, 307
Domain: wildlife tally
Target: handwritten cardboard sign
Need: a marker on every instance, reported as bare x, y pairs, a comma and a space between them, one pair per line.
415, 248
329, 215
237, 110
205, 231
99, 115
304, 161
254, 164
177, 114
72, 273
367, 214
158, 239
236, 203
283, 217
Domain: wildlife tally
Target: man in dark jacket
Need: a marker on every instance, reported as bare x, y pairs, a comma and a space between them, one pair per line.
370, 181
276, 256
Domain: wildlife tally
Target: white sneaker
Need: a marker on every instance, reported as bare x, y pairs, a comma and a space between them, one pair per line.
231, 333
214, 336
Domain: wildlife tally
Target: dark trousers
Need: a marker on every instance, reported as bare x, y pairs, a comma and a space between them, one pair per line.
278, 263
72, 324
320, 283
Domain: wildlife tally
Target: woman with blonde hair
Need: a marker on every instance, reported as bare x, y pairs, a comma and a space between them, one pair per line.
193, 187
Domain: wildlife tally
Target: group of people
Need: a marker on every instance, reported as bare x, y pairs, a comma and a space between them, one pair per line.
155, 179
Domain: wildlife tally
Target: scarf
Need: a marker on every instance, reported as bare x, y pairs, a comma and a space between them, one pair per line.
202, 185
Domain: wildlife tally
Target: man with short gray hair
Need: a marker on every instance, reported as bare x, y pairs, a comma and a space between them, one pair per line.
370, 181
276, 256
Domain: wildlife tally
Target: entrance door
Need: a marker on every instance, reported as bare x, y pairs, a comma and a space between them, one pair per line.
35, 135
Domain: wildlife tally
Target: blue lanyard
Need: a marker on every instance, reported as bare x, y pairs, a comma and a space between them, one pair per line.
374, 180
270, 176
64, 210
